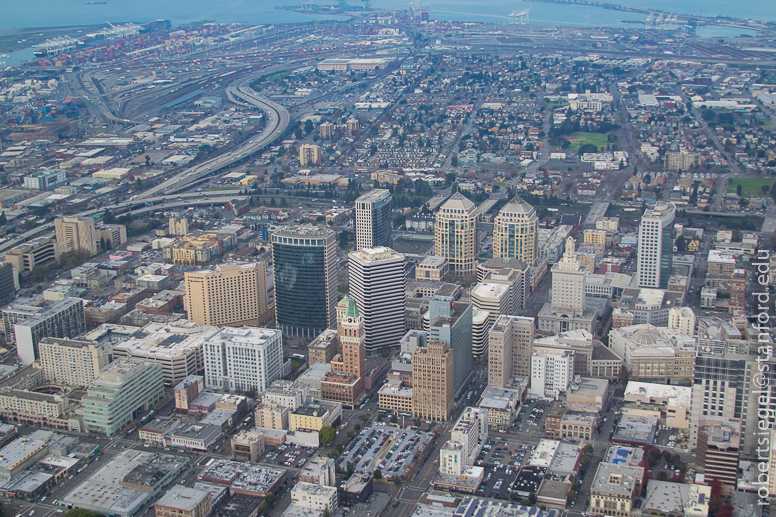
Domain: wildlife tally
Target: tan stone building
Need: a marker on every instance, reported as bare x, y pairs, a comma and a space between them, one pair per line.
271, 416
578, 426
516, 232
324, 347
309, 154
229, 294
432, 381
37, 252
455, 235
200, 249
247, 446
394, 397
77, 234
71, 362
614, 488
110, 235
510, 342
181, 501
595, 237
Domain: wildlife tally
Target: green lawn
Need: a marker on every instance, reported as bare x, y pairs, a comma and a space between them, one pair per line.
749, 186
583, 137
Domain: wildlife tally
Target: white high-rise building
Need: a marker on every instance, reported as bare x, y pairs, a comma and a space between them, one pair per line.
568, 282
377, 283
683, 319
374, 219
656, 246
246, 358
551, 372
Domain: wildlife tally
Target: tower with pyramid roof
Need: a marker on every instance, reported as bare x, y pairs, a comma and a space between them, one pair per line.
352, 339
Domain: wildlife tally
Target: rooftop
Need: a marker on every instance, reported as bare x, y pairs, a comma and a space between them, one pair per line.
543, 454
18, 449
617, 479
182, 498
458, 204
242, 476
665, 393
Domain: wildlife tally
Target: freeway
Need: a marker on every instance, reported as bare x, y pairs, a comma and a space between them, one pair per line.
277, 122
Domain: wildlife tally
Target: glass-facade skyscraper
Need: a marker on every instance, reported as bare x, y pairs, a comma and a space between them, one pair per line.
305, 277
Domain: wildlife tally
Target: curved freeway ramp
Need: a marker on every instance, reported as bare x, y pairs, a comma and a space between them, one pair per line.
277, 121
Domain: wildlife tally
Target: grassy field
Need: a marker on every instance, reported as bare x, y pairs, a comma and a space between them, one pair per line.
749, 186
582, 137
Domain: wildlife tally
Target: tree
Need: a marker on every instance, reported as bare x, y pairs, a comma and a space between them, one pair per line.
351, 469
418, 422
102, 243
147, 161
298, 133
396, 480
394, 419
378, 474
588, 449
270, 498
3, 219
587, 148
308, 126
326, 435
571, 495
681, 244
364, 417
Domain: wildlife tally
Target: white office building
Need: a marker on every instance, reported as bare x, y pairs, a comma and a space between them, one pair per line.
246, 358
656, 246
377, 284
551, 372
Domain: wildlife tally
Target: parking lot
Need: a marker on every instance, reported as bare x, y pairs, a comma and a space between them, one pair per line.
501, 461
385, 447
288, 456
531, 415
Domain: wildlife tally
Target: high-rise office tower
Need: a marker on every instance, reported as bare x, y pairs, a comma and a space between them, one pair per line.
77, 234
511, 339
495, 299
7, 283
374, 219
451, 321
246, 358
656, 246
377, 284
305, 261
432, 381
455, 235
516, 232
228, 294
352, 339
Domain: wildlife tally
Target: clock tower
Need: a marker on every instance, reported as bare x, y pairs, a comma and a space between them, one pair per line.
352, 339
